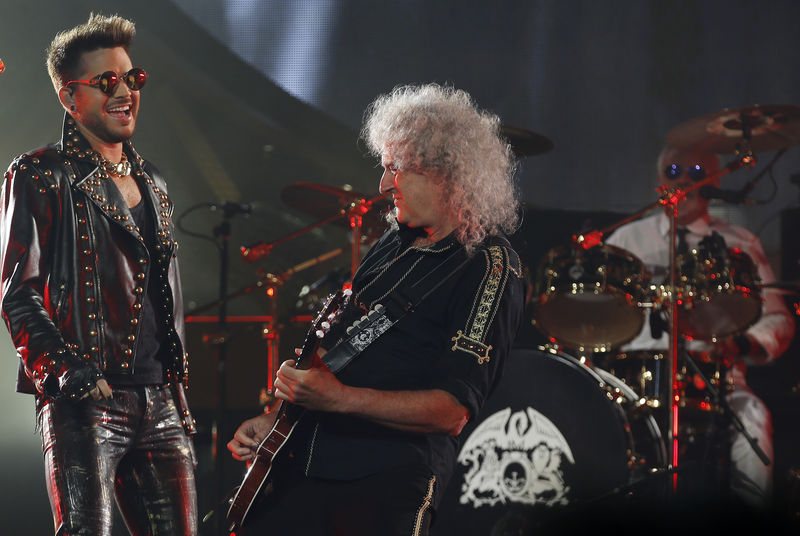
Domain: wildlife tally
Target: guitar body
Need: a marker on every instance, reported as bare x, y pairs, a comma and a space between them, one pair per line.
259, 471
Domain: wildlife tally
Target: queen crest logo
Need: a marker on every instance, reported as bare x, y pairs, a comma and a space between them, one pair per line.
515, 458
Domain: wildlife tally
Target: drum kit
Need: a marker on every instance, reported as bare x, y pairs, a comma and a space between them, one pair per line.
595, 299
590, 298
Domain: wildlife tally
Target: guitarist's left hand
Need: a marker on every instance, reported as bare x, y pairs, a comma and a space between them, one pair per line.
249, 434
316, 388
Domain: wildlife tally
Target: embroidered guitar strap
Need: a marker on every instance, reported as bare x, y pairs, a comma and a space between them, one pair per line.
472, 338
383, 316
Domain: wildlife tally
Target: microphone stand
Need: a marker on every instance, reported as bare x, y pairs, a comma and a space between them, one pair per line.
223, 231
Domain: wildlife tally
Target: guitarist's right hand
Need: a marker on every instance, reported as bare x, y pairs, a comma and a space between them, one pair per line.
250, 434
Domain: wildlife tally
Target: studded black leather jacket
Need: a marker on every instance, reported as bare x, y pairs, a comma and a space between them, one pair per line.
75, 269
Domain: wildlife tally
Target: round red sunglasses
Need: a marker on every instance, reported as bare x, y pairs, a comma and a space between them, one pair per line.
107, 82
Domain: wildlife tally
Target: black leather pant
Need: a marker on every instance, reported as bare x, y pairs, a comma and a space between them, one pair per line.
132, 446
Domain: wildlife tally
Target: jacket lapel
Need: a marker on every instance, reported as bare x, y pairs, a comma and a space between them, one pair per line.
101, 191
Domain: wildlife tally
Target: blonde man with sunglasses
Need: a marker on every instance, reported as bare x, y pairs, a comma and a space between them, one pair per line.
91, 296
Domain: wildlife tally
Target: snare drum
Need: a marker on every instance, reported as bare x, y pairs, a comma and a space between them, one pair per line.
721, 292
589, 299
554, 433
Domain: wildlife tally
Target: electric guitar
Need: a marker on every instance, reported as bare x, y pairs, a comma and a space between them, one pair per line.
288, 417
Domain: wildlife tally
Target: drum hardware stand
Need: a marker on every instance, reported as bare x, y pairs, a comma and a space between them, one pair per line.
271, 334
354, 211
270, 283
631, 487
717, 435
672, 354
267, 280
739, 195
793, 506
672, 197
356, 218
726, 409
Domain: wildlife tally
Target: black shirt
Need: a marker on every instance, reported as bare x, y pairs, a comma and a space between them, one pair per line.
444, 344
147, 366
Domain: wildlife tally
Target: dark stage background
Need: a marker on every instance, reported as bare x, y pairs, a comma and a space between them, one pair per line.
247, 97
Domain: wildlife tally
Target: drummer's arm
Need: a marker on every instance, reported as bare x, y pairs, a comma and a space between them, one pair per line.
745, 348
768, 338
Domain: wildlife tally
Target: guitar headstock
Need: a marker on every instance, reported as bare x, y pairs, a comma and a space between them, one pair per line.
320, 326
365, 320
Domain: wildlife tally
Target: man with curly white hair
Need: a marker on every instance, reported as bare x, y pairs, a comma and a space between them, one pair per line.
375, 451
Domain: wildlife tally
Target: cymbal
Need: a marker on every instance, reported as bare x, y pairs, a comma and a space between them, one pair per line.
771, 127
324, 201
524, 142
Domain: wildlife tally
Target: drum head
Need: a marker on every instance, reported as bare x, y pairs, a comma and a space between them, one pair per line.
589, 320
548, 437
720, 316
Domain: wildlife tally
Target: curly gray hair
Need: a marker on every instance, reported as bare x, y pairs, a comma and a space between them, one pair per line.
441, 130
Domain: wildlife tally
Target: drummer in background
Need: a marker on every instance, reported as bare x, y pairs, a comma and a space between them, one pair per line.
768, 338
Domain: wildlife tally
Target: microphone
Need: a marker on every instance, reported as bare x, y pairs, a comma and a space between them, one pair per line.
231, 209
734, 197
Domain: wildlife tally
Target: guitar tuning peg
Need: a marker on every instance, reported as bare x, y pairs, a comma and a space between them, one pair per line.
350, 330
364, 318
331, 316
326, 326
319, 333
379, 308
347, 292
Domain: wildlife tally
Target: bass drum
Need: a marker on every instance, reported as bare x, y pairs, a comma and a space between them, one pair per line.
554, 434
